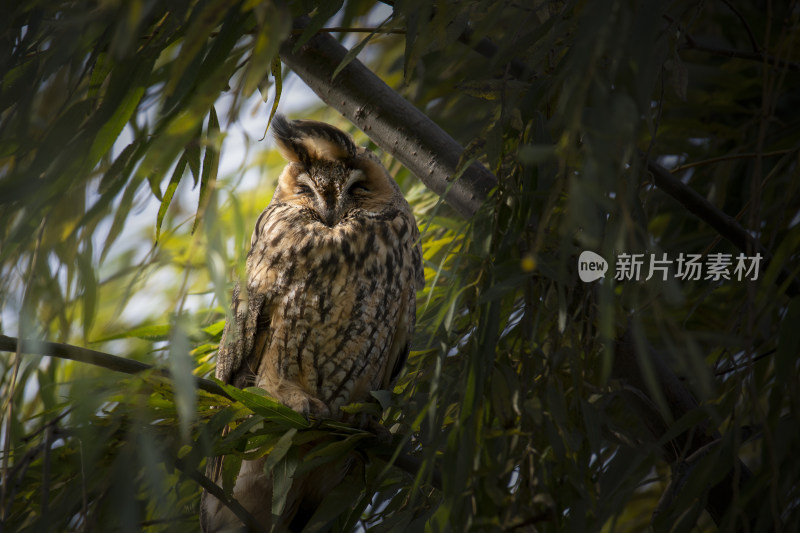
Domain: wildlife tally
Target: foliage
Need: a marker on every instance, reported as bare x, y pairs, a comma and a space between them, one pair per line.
512, 413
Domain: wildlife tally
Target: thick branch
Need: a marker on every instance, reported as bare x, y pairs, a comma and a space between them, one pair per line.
726, 225
390, 121
93, 357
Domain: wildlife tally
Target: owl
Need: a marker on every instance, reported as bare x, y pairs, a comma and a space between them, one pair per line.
328, 307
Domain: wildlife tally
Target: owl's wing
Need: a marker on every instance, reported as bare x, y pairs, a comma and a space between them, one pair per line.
401, 345
419, 270
236, 359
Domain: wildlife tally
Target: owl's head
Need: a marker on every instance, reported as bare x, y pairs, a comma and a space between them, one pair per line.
328, 175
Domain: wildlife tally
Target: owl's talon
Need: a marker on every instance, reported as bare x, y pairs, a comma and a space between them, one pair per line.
383, 435
369, 423
308, 406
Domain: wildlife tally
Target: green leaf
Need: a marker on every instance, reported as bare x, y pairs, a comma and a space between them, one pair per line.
118, 172
366, 407
265, 406
280, 450
108, 133
232, 463
336, 503
384, 397
276, 72
120, 215
215, 328
237, 439
274, 25
101, 68
335, 449
323, 12
354, 51
158, 332
282, 478
89, 282
200, 26
208, 175
181, 366
177, 174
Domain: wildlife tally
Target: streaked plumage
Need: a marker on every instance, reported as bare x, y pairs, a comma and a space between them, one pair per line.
328, 308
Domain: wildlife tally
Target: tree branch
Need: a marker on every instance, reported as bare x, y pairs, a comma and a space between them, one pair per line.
405, 462
93, 357
730, 157
740, 54
353, 29
390, 121
215, 490
726, 225
746, 25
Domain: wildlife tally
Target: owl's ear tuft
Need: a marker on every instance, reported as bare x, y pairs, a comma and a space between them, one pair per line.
289, 144
304, 141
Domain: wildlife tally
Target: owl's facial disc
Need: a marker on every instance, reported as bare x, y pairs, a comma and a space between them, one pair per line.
333, 199
325, 197
333, 192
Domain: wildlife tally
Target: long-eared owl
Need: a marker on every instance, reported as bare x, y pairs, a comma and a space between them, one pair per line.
328, 308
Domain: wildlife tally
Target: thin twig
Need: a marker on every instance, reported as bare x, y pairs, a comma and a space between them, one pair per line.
658, 118
216, 491
711, 161
758, 55
748, 29
93, 357
345, 29
48, 441
84, 498
161, 521
735, 367
740, 54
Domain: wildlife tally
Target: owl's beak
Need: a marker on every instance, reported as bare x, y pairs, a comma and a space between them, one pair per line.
326, 208
329, 217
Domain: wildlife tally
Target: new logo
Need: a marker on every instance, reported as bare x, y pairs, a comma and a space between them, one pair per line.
591, 266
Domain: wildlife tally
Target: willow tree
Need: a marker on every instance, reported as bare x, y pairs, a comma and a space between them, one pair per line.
662, 137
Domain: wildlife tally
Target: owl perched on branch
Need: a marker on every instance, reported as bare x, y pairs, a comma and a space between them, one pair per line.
328, 308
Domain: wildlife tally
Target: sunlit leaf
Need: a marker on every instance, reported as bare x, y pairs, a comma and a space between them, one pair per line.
268, 408
208, 174
177, 174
